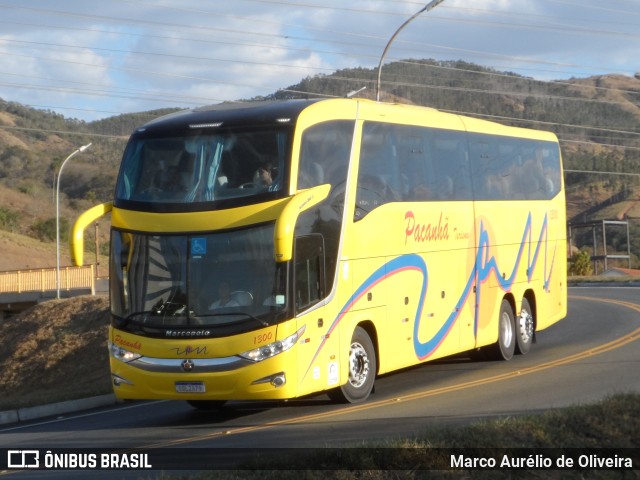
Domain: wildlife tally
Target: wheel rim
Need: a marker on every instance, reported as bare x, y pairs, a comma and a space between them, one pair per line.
358, 365
525, 323
507, 330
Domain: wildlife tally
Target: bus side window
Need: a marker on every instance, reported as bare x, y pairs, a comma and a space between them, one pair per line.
378, 176
309, 278
551, 169
414, 162
324, 154
450, 168
539, 172
490, 182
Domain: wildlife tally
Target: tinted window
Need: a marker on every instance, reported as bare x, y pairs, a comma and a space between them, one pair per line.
379, 179
411, 163
505, 168
324, 158
309, 271
324, 154
198, 168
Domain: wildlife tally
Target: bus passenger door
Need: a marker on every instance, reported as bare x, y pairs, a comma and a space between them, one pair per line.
443, 234
316, 347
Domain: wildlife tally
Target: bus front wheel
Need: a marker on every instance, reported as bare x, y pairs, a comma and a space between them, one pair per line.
362, 370
506, 344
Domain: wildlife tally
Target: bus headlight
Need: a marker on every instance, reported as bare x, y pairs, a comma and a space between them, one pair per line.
273, 349
122, 354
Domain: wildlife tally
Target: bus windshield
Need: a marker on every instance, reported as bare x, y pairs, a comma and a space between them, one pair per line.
173, 281
203, 167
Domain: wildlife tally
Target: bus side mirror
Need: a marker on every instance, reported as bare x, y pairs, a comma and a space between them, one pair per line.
76, 241
286, 222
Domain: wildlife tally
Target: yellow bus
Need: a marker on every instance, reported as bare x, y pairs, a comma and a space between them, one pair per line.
273, 250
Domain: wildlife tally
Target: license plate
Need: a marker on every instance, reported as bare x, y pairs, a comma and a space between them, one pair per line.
190, 387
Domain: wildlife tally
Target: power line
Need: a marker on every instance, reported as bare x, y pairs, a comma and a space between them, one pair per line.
584, 142
280, 47
64, 132
560, 27
599, 88
484, 91
127, 69
164, 55
270, 64
473, 114
200, 12
194, 101
602, 172
542, 122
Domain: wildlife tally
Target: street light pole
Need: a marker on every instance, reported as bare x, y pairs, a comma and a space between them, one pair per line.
426, 8
81, 149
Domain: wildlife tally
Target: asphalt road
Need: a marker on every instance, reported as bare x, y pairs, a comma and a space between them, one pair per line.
591, 354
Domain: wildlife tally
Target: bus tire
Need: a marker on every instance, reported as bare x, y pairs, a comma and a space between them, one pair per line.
207, 404
525, 328
362, 370
505, 347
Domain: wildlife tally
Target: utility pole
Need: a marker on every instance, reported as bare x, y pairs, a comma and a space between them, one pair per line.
431, 5
81, 149
97, 250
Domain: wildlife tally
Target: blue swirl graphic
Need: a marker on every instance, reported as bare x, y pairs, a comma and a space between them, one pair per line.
485, 265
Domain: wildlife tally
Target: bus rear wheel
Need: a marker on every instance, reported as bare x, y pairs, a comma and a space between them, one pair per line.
525, 328
207, 404
362, 370
505, 347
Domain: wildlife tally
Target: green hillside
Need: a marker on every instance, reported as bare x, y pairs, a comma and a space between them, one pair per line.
597, 120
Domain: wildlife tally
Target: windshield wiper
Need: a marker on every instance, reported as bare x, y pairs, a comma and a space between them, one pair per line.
161, 309
125, 321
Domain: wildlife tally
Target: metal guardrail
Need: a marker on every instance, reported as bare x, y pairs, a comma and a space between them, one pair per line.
44, 279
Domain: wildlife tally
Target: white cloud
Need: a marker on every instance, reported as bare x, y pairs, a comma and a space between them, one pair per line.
138, 52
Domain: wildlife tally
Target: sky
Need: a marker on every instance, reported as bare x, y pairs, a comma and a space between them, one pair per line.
91, 60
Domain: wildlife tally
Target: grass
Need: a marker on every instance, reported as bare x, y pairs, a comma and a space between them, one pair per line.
576, 281
612, 423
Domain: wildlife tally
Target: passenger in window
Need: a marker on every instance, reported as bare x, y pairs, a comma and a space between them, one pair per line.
444, 188
161, 185
534, 179
551, 174
224, 297
420, 192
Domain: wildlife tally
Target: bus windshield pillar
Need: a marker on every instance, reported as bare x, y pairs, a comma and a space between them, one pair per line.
286, 222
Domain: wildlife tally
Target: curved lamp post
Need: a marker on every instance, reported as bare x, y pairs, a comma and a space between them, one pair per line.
81, 149
426, 8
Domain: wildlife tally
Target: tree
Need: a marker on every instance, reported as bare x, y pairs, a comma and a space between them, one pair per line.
45, 230
9, 219
580, 264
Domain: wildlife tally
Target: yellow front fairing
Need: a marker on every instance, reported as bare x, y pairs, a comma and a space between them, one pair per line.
213, 364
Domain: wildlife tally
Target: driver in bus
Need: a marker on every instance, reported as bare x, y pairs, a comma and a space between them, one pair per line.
224, 297
265, 175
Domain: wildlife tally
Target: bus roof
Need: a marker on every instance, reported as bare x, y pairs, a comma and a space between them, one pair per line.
229, 114
275, 111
